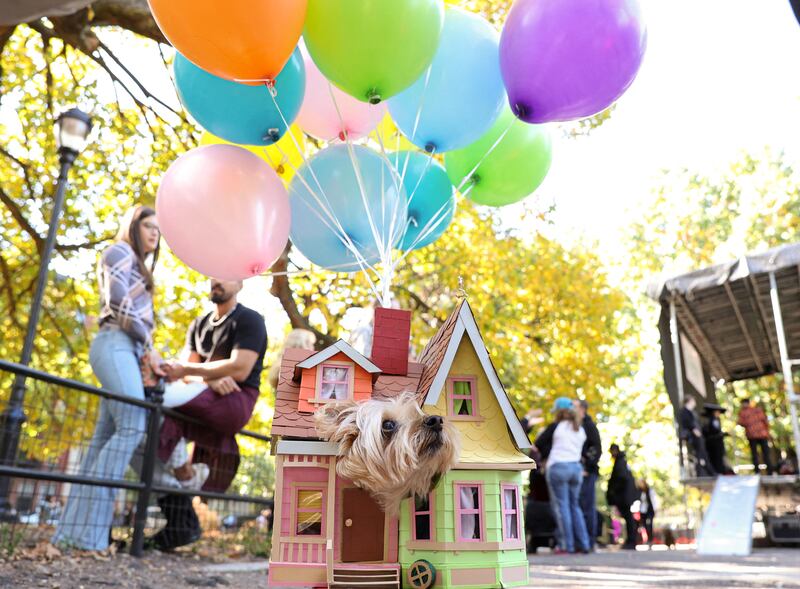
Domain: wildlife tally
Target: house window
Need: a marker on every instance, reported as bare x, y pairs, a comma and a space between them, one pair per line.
422, 517
510, 508
469, 516
335, 382
463, 396
308, 508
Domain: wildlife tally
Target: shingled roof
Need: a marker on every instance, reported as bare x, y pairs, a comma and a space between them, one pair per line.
433, 354
288, 422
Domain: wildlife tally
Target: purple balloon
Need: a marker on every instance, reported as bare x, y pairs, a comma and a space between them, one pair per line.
568, 59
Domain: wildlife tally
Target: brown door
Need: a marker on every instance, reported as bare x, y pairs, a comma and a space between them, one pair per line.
362, 527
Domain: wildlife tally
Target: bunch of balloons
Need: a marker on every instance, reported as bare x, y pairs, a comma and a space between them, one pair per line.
407, 103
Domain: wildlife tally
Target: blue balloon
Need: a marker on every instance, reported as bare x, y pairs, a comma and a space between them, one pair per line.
237, 112
328, 181
431, 200
464, 93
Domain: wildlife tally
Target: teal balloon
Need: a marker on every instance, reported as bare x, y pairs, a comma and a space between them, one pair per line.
240, 113
458, 100
431, 199
329, 180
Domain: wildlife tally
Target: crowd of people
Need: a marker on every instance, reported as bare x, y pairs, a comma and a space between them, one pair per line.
563, 486
705, 439
216, 382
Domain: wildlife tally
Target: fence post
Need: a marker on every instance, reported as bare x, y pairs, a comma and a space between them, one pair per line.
148, 465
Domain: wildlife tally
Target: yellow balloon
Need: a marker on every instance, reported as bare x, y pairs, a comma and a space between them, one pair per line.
283, 156
387, 133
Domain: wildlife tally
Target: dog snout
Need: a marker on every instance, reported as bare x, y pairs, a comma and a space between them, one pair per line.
433, 422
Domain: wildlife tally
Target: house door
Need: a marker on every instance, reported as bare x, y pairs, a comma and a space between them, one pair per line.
362, 527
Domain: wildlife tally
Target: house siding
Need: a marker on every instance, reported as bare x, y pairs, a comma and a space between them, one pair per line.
486, 440
454, 563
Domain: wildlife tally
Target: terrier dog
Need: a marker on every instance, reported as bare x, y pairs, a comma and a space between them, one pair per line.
390, 448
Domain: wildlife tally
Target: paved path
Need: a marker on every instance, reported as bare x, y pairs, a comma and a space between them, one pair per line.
765, 568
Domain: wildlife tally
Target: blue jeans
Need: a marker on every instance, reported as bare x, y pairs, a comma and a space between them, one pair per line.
86, 521
564, 480
587, 501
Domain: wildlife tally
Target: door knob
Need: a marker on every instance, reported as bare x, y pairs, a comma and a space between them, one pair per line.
348, 522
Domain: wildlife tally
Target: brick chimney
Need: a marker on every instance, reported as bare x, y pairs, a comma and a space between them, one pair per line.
390, 340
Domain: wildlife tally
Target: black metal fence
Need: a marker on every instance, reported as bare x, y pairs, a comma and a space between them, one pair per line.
49, 469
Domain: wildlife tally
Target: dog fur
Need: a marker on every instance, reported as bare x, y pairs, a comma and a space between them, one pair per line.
391, 465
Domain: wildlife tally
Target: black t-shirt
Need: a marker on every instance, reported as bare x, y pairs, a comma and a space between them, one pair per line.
243, 329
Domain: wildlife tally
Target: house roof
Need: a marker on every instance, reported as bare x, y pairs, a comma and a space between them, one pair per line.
440, 353
433, 354
338, 347
290, 423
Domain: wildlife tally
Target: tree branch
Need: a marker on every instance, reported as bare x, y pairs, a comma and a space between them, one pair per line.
282, 290
133, 15
16, 212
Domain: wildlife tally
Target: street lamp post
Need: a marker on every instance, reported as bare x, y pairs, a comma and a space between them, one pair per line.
71, 129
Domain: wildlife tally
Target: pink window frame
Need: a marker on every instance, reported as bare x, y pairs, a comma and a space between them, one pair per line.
473, 396
346, 382
430, 512
459, 511
298, 510
504, 512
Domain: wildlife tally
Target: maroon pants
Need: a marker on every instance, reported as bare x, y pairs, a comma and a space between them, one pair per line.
222, 417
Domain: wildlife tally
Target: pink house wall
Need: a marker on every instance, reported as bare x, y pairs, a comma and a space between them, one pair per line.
298, 474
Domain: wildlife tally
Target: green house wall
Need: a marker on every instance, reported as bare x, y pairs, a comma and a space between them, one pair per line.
447, 560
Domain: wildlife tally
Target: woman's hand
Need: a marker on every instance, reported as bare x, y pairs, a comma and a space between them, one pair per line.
156, 363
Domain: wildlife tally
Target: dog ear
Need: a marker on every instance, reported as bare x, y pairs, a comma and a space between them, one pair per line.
336, 422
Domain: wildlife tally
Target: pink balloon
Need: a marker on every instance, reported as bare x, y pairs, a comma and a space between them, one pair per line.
223, 211
319, 116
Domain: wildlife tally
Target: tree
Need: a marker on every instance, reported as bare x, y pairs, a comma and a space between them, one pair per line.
696, 219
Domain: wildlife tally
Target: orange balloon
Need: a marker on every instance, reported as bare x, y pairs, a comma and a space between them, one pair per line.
243, 41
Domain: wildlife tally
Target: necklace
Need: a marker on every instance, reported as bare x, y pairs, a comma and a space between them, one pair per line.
217, 322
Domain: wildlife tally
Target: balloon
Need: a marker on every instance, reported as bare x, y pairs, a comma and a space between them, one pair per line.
239, 41
508, 173
373, 49
568, 59
236, 112
331, 175
431, 202
338, 116
463, 94
223, 211
283, 156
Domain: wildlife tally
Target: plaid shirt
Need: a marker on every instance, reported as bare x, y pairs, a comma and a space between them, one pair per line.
124, 298
754, 422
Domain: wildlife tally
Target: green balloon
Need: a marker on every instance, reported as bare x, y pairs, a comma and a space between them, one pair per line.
373, 49
511, 171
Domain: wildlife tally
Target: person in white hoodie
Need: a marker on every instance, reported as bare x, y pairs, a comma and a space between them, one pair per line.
561, 444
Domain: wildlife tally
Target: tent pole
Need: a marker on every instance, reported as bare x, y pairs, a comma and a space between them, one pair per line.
674, 335
786, 364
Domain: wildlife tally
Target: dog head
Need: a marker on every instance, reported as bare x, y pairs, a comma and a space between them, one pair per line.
390, 448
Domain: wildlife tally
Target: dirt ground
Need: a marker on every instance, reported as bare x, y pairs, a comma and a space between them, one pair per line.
153, 571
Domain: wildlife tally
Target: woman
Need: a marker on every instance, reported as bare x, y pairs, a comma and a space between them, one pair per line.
561, 444
647, 509
117, 354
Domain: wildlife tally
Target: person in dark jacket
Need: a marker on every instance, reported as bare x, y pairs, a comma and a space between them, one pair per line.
714, 438
590, 457
690, 432
647, 509
622, 493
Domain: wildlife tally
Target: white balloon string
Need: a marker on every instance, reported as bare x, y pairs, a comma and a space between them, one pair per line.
433, 223
417, 117
468, 177
378, 238
341, 234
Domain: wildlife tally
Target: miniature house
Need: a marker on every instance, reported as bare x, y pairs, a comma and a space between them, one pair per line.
468, 532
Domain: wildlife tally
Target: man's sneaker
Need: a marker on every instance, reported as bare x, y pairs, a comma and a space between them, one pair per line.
198, 478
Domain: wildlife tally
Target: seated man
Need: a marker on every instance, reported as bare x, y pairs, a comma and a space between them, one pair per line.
225, 349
